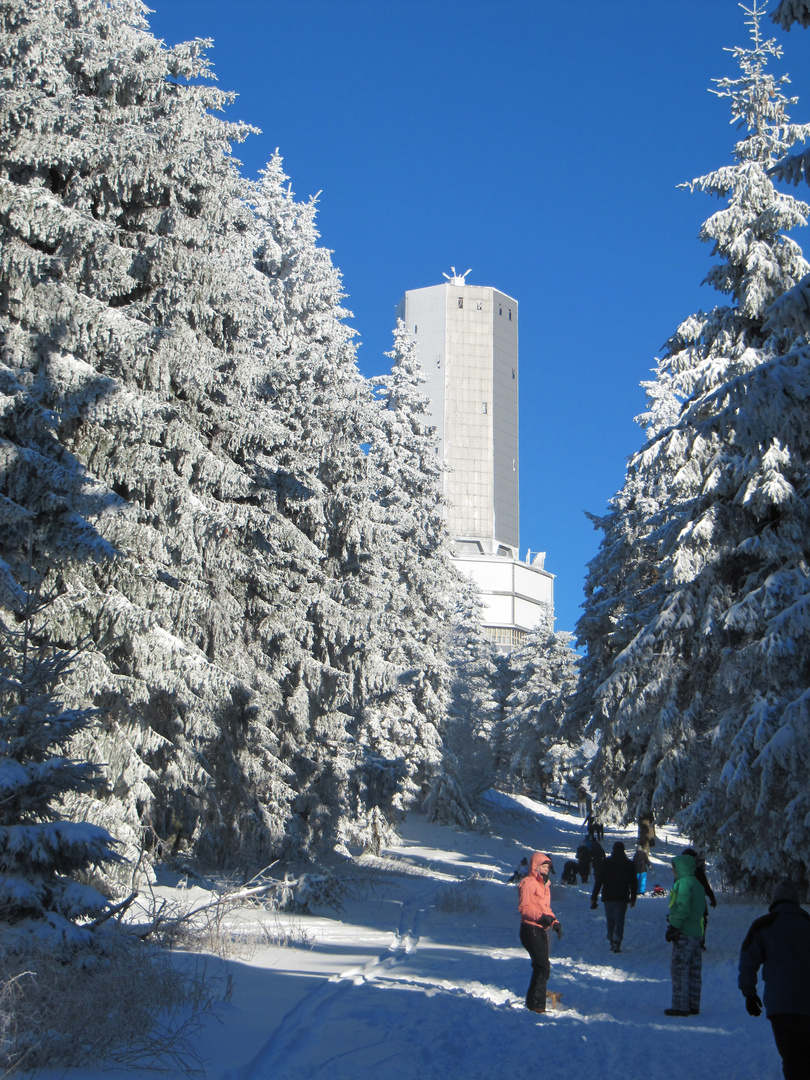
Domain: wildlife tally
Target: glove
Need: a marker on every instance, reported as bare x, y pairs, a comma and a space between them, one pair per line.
713, 903
546, 921
557, 929
632, 903
753, 1006
594, 905
672, 934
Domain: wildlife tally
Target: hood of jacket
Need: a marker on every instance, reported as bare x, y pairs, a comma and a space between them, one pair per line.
537, 860
685, 866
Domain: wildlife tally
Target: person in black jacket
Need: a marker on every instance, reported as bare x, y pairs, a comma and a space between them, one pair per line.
700, 874
598, 855
779, 942
616, 877
570, 871
700, 877
584, 860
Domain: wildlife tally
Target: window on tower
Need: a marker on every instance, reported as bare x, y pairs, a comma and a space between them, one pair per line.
461, 301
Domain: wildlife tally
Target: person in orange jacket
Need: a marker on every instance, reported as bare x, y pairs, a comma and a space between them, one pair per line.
536, 919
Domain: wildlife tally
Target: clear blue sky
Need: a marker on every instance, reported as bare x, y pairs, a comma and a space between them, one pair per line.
537, 141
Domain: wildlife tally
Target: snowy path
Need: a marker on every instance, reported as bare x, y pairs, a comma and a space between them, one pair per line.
401, 986
289, 1051
447, 999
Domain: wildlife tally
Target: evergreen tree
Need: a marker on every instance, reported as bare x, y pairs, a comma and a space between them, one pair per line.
182, 422
41, 854
403, 686
324, 413
544, 672
473, 730
788, 12
696, 671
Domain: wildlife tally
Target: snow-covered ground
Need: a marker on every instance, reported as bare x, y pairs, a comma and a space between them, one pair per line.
423, 976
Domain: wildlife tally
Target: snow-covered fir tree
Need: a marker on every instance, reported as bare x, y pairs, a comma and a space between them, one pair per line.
788, 12
252, 545
325, 414
183, 422
403, 680
792, 311
534, 748
696, 675
41, 853
474, 724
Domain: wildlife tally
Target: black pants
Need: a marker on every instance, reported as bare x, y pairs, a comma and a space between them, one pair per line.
791, 1033
535, 941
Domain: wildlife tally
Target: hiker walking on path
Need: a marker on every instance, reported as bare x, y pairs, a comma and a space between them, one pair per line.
686, 919
616, 877
779, 942
536, 919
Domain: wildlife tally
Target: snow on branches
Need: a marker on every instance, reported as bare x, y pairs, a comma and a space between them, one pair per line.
249, 542
41, 853
694, 618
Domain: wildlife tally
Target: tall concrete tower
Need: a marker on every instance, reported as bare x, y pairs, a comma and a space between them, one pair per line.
467, 342
467, 338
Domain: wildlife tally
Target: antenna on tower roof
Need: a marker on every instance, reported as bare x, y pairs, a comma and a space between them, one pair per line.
456, 279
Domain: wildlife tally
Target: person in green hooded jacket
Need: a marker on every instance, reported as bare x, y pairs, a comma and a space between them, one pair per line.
686, 922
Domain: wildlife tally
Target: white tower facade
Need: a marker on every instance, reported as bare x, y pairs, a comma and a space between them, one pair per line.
467, 337
467, 341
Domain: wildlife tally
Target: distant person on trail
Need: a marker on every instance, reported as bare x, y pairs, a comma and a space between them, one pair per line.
779, 942
520, 872
616, 877
641, 865
598, 854
570, 871
686, 919
700, 874
536, 919
646, 831
584, 860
